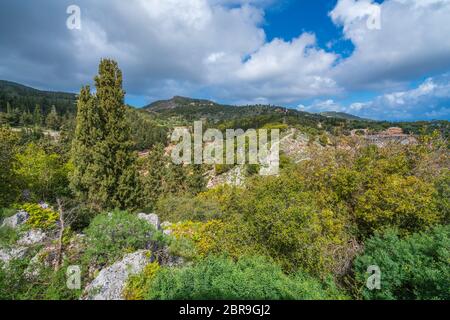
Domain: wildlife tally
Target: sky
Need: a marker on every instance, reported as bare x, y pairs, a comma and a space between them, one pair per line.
384, 60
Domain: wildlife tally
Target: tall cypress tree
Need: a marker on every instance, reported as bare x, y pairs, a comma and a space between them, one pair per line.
105, 172
155, 175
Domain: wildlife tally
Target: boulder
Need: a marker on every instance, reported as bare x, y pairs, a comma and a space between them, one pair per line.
16, 220
8, 254
32, 237
151, 218
111, 281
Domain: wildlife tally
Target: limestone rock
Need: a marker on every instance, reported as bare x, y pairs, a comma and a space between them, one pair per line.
16, 220
32, 237
111, 281
151, 218
8, 254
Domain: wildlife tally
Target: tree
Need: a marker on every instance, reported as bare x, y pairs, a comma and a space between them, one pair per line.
155, 175
8, 186
37, 116
42, 173
105, 172
196, 181
53, 121
26, 118
176, 179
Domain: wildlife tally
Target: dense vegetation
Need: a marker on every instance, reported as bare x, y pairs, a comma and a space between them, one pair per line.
309, 233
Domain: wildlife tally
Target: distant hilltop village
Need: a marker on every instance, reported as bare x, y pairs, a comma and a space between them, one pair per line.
393, 134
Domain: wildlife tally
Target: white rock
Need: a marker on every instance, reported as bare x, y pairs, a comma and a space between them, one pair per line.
6, 255
16, 220
32, 237
110, 282
151, 218
166, 228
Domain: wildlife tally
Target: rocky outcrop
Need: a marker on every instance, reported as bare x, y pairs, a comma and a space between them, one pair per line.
111, 281
16, 220
8, 254
233, 177
22, 246
32, 237
151, 218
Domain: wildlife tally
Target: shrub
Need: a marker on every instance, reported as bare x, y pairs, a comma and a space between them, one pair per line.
196, 239
296, 228
39, 217
178, 208
44, 174
109, 236
220, 278
6, 213
137, 285
416, 267
9, 183
406, 203
50, 285
8, 236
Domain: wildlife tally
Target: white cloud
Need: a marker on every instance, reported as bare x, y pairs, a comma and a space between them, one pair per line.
430, 100
411, 42
219, 47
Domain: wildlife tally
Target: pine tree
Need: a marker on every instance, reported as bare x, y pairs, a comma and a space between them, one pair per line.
176, 181
53, 121
37, 116
9, 182
105, 172
196, 181
155, 176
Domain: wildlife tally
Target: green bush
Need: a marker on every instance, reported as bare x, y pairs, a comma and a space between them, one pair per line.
9, 182
44, 174
416, 267
49, 285
111, 235
7, 212
301, 230
220, 278
40, 218
137, 285
8, 236
179, 208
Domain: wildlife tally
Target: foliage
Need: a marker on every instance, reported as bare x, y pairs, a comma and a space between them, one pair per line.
39, 217
44, 174
8, 187
416, 267
8, 236
442, 186
403, 202
177, 208
110, 235
138, 285
154, 176
220, 278
105, 172
296, 228
50, 285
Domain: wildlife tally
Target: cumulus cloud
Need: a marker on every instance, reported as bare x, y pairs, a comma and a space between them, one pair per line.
218, 48
410, 43
428, 101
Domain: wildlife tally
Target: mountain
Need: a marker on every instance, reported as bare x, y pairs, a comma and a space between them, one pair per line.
25, 98
165, 114
188, 110
341, 115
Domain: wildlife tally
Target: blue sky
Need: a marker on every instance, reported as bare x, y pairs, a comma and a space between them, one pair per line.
385, 60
